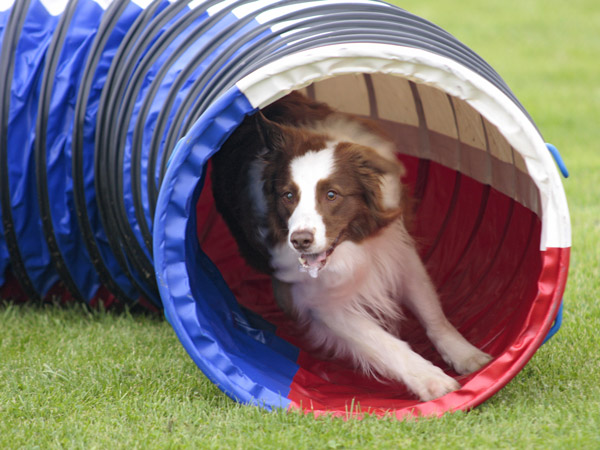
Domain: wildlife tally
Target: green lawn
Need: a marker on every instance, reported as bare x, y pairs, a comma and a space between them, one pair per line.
75, 379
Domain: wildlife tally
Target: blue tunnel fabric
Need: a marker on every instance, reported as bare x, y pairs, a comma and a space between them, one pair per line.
4, 256
171, 81
116, 23
142, 78
109, 160
62, 78
209, 323
29, 254
126, 108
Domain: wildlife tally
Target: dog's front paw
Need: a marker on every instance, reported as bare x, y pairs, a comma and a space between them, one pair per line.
471, 361
431, 383
459, 353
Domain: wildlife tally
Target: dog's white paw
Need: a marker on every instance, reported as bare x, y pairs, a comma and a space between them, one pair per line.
431, 383
459, 353
469, 362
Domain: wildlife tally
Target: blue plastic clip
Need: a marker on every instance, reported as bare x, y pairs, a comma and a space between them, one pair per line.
559, 161
556, 325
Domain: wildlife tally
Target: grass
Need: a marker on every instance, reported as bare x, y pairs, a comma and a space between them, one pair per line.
79, 379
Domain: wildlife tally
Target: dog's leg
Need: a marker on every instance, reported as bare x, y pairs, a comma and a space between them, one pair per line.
379, 352
421, 298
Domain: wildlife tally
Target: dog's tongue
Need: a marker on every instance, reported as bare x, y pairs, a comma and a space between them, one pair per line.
314, 259
312, 263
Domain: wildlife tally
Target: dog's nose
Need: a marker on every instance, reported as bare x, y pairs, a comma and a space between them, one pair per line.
302, 239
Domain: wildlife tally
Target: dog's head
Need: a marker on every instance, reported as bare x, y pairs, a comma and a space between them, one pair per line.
322, 191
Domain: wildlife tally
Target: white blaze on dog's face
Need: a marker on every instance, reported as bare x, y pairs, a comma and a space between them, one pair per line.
306, 228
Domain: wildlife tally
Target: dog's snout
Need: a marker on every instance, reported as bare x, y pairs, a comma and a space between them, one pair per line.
302, 239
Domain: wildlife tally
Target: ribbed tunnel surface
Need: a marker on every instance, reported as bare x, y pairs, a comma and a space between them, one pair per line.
110, 114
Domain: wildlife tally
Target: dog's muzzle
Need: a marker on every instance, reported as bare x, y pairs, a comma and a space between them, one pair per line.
314, 262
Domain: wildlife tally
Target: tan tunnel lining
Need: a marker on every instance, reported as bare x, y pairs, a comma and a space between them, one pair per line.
428, 123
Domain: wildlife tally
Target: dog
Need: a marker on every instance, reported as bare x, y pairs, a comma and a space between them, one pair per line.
313, 197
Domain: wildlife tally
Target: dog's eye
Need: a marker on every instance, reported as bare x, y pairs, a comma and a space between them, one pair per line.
331, 195
288, 196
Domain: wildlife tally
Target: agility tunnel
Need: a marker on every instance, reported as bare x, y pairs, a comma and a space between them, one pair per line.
111, 111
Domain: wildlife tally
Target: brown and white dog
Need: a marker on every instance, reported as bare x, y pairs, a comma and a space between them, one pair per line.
313, 197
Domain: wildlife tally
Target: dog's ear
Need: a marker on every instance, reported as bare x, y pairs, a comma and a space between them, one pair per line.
269, 132
380, 178
382, 165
